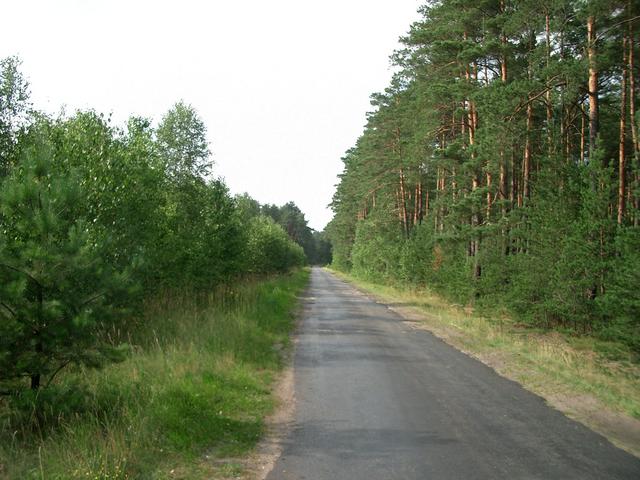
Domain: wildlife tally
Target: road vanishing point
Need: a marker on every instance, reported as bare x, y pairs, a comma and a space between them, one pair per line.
377, 399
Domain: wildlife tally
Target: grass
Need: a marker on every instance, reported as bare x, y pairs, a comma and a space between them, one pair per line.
578, 374
194, 390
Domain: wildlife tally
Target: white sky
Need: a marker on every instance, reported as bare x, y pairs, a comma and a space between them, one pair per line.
283, 85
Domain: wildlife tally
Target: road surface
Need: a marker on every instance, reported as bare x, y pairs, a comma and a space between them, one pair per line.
377, 399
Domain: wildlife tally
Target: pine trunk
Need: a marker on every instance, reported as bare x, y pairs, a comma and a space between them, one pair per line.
593, 85
35, 377
549, 106
632, 92
526, 162
502, 187
582, 137
513, 194
632, 122
403, 204
623, 127
417, 208
488, 211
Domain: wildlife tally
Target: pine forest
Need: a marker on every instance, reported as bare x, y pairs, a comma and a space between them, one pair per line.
501, 165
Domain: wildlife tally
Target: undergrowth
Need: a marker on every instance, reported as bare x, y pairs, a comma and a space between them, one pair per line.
195, 388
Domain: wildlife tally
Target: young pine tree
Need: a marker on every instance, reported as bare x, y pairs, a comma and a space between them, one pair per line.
57, 296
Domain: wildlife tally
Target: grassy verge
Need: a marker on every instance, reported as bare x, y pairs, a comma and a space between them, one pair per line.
596, 382
194, 391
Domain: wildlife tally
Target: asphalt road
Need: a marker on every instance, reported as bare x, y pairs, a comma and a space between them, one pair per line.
377, 399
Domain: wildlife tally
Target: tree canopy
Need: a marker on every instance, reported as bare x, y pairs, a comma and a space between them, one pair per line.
94, 218
500, 166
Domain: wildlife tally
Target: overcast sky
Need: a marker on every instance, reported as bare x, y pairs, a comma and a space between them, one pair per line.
283, 85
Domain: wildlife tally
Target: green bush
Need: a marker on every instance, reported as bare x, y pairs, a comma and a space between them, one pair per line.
269, 249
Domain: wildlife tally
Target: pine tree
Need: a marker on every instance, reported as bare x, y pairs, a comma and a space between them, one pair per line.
504, 151
58, 297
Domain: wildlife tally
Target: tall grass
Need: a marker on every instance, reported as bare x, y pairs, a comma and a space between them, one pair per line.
195, 388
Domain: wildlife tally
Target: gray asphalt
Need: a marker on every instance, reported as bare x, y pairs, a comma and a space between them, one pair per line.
377, 399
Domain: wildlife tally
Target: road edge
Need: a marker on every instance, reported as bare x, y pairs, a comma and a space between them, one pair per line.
590, 412
279, 422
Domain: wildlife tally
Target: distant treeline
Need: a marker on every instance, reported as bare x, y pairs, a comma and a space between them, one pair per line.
501, 166
95, 218
316, 245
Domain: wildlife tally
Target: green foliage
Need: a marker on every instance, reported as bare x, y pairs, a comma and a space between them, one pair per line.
194, 390
292, 220
486, 172
316, 246
89, 210
56, 292
269, 248
100, 227
622, 297
321, 253
247, 206
182, 142
376, 250
202, 239
14, 105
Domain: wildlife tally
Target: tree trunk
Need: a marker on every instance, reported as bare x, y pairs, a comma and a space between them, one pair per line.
632, 92
438, 210
488, 210
632, 120
582, 138
623, 126
593, 85
35, 381
35, 377
526, 162
513, 194
417, 208
403, 204
454, 184
463, 125
549, 107
502, 187
503, 42
426, 204
502, 175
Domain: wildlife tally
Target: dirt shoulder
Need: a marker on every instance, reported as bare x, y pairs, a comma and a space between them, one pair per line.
578, 383
261, 461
